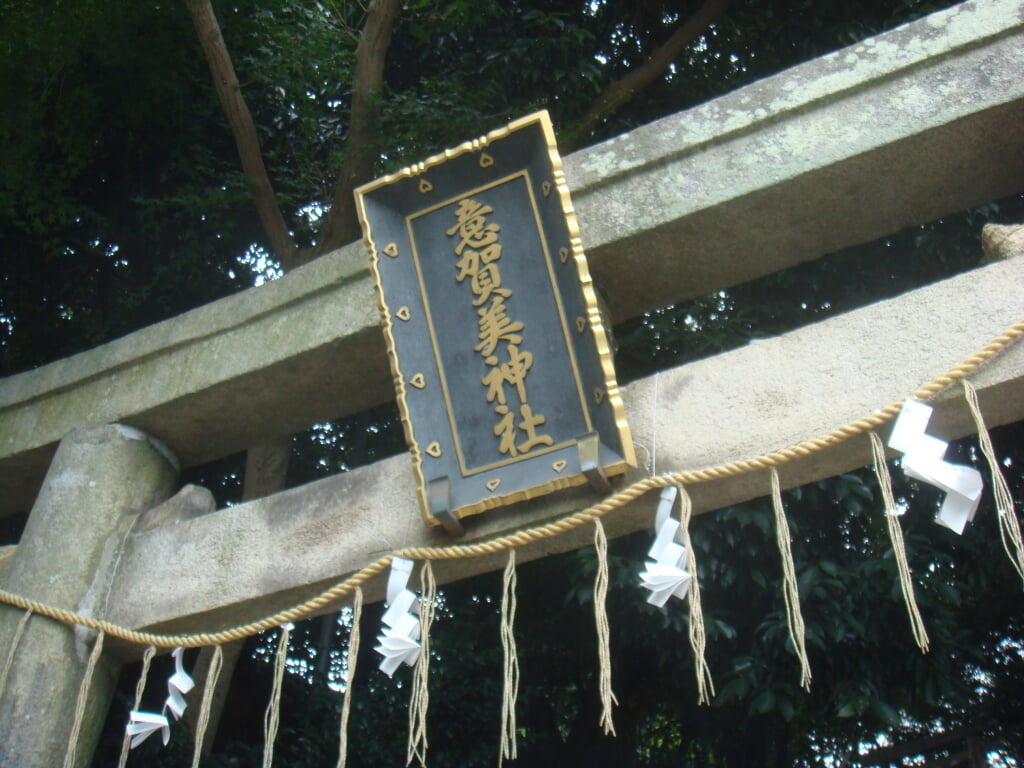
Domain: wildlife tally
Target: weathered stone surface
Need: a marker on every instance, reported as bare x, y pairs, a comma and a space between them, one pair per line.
896, 130
899, 129
243, 563
100, 478
191, 501
6, 555
211, 381
1002, 241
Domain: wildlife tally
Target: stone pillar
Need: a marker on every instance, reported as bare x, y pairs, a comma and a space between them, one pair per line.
100, 478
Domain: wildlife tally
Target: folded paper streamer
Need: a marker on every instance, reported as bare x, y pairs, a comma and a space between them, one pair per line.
923, 459
667, 575
398, 642
142, 725
178, 685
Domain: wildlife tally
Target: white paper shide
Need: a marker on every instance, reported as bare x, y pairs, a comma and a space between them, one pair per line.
667, 574
142, 725
398, 641
924, 460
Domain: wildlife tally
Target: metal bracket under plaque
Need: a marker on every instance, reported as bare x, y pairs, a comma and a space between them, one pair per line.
440, 494
589, 446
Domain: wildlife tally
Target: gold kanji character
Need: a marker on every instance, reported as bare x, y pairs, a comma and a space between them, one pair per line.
471, 260
513, 372
506, 430
468, 209
486, 282
495, 327
472, 227
529, 425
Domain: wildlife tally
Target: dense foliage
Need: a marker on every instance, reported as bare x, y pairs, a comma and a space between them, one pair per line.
121, 203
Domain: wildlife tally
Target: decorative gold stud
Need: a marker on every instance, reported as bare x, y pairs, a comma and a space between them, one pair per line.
559, 465
425, 186
434, 449
403, 313
581, 324
391, 250
563, 254
546, 188
418, 381
486, 161
598, 396
492, 485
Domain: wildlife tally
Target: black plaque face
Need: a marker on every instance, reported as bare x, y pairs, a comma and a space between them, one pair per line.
501, 364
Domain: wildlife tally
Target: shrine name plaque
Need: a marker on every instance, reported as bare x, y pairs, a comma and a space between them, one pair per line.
503, 371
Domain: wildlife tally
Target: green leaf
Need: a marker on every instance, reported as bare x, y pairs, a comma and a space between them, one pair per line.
763, 702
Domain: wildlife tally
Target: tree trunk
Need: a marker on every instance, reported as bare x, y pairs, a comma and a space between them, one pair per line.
622, 90
340, 224
243, 129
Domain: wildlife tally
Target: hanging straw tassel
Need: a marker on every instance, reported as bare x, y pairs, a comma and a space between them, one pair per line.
790, 592
353, 656
83, 696
698, 642
892, 519
1009, 527
272, 716
204, 710
603, 630
420, 695
510, 688
18, 632
140, 687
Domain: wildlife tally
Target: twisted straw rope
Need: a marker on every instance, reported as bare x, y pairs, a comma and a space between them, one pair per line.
530, 535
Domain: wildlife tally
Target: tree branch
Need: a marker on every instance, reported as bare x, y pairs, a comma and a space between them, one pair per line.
622, 90
896, 752
243, 129
340, 224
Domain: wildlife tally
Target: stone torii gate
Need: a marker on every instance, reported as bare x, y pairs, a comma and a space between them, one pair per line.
897, 130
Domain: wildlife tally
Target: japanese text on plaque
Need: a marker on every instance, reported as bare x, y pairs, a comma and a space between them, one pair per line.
479, 252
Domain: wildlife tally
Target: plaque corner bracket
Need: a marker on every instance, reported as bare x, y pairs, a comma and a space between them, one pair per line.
439, 494
589, 447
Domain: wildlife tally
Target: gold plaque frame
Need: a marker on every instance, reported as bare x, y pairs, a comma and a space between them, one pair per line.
476, 254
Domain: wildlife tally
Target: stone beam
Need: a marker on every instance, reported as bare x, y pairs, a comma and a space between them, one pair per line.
266, 362
899, 129
894, 131
238, 564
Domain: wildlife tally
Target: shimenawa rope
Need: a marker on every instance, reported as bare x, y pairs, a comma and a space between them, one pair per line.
420, 698
790, 593
204, 711
603, 630
530, 535
892, 519
510, 677
272, 716
70, 756
1009, 527
353, 656
698, 642
140, 687
15, 641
